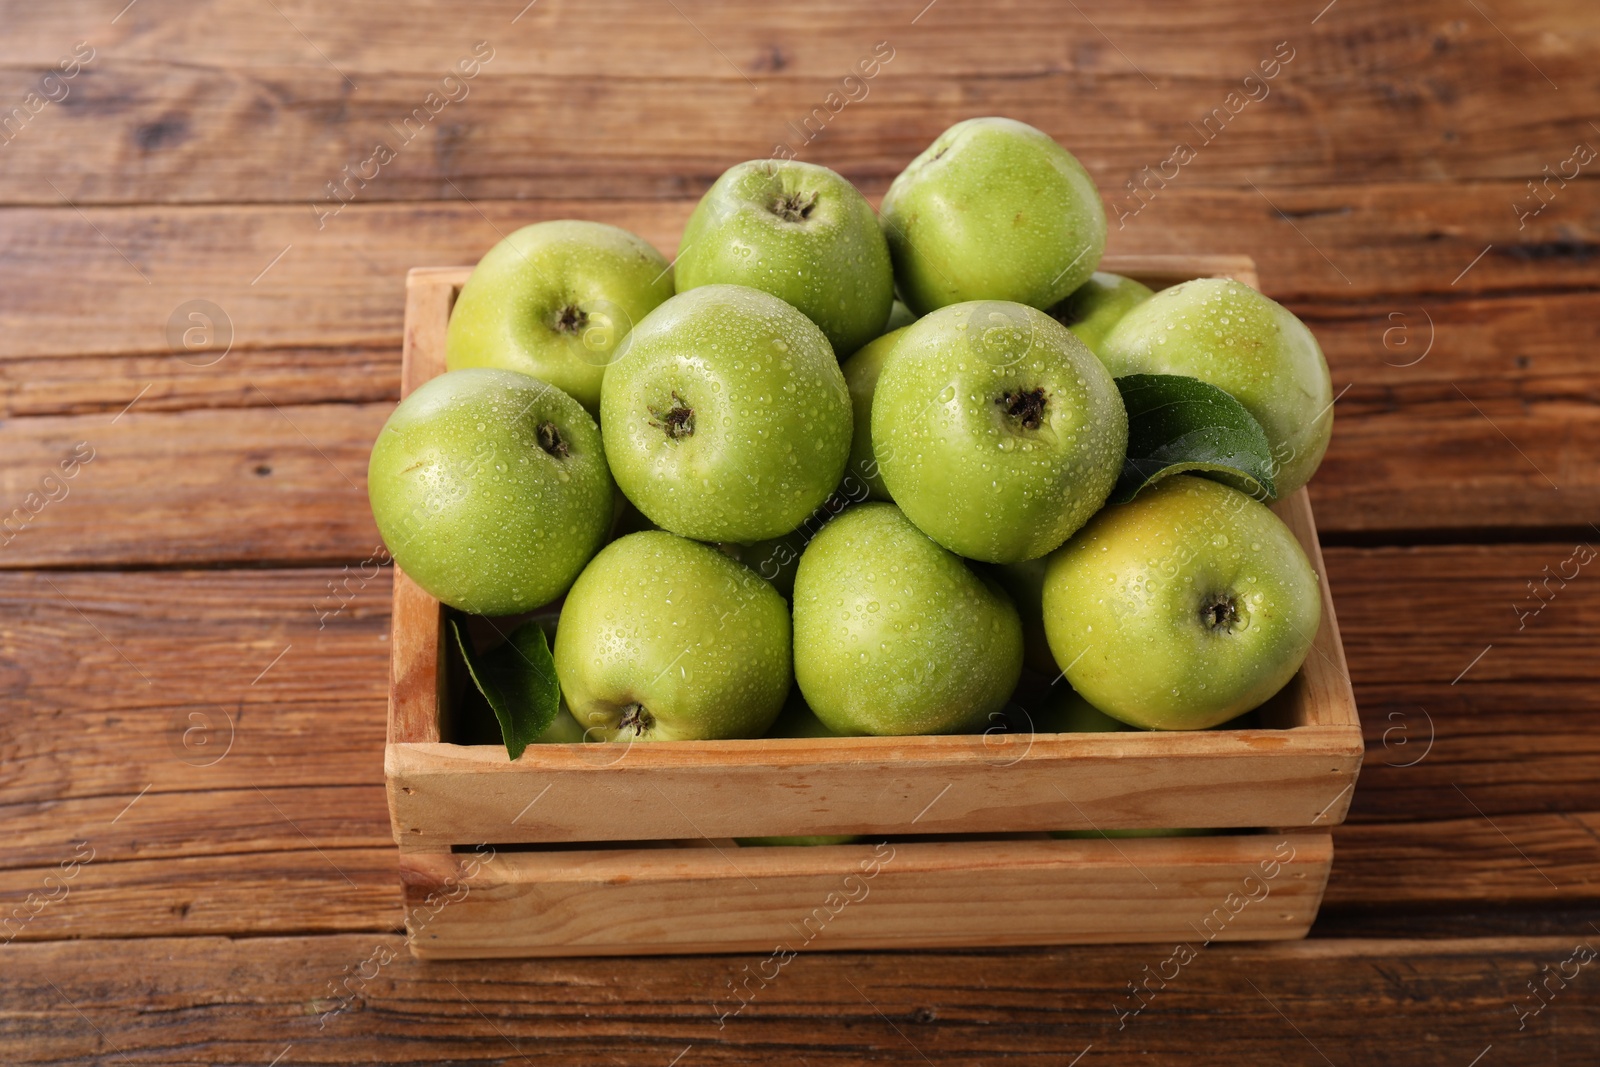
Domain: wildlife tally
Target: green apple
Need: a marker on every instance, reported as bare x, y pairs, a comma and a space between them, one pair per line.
490, 489
554, 300
996, 430
726, 417
797, 231
993, 210
1227, 334
895, 635
663, 639
1182, 609
861, 372
1099, 304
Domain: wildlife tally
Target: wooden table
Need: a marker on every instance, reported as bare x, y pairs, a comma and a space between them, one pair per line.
193, 648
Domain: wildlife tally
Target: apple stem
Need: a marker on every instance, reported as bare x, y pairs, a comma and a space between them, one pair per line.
551, 441
678, 421
636, 716
794, 207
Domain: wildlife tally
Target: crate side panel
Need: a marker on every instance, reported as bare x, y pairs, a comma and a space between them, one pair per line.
899, 895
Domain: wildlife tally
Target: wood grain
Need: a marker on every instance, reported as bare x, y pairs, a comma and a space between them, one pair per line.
1424, 1003
345, 280
1369, 40
1461, 706
1398, 143
909, 894
140, 133
1504, 859
161, 115
281, 482
308, 733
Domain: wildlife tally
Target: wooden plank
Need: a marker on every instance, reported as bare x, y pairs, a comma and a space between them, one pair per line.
314, 1000
291, 890
260, 484
161, 824
908, 894
450, 794
1464, 702
168, 140
143, 679
823, 40
103, 385
345, 281
251, 875
1506, 859
158, 113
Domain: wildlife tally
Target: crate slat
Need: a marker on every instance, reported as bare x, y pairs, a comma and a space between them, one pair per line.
937, 894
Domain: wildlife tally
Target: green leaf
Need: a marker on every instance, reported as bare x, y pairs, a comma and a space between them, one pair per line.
1178, 424
518, 679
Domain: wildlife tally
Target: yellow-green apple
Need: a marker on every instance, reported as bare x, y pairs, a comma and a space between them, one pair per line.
554, 300
1226, 334
861, 373
1182, 609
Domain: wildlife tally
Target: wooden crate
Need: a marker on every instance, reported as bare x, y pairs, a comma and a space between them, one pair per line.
622, 849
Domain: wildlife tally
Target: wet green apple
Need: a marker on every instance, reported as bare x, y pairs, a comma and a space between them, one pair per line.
996, 430
993, 210
803, 234
1182, 609
1227, 334
665, 639
726, 417
1099, 304
490, 489
895, 635
554, 300
861, 372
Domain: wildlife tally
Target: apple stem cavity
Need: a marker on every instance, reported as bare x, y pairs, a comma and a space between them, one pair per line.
571, 320
677, 421
636, 717
552, 442
794, 207
1218, 612
1025, 407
